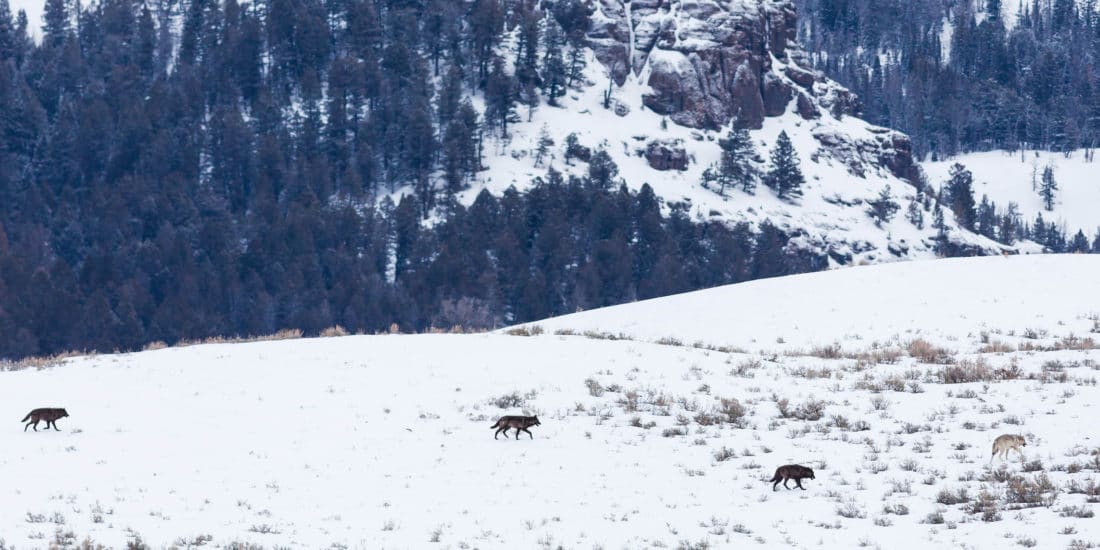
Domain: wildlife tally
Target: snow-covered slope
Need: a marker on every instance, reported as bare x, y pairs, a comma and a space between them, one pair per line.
384, 441
940, 300
679, 72
1008, 177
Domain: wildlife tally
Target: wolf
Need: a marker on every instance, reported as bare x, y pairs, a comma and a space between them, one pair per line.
49, 415
791, 471
520, 423
1008, 442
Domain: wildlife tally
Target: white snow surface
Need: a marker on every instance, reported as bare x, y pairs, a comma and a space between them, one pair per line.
384, 441
1007, 177
832, 215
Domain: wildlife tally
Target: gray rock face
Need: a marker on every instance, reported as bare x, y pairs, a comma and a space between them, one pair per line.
666, 155
707, 62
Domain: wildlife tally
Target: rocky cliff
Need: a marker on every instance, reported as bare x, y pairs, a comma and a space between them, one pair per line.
707, 62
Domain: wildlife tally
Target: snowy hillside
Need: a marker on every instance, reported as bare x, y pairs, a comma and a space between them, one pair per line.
846, 162
384, 441
1007, 177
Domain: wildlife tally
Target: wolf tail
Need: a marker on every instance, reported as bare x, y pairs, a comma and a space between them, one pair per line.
775, 477
25, 418
495, 425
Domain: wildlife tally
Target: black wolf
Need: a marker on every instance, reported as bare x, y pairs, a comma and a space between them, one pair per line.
49, 415
520, 423
791, 471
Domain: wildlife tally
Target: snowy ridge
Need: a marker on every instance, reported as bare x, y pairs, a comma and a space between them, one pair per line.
384, 441
831, 216
1007, 177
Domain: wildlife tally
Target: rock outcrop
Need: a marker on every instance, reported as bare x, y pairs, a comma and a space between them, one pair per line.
666, 155
707, 62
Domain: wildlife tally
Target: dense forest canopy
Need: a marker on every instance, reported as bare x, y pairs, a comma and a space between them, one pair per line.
176, 170
966, 75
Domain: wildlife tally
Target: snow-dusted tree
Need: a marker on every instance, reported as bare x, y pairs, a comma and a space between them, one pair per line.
883, 208
987, 218
1048, 188
543, 145
960, 195
1079, 244
915, 212
785, 177
1010, 223
736, 165
554, 75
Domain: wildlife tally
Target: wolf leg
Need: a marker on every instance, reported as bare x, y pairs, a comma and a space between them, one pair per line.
785, 480
504, 429
529, 433
798, 482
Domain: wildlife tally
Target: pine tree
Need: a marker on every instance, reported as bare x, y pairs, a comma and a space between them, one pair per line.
736, 165
785, 177
1079, 244
987, 218
960, 196
1009, 227
55, 22
915, 212
883, 208
500, 97
602, 170
1096, 242
1048, 188
542, 146
554, 74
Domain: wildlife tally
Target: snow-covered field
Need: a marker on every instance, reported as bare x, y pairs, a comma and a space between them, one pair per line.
648, 438
1007, 177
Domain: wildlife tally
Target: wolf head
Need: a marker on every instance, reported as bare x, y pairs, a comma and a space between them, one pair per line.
811, 472
535, 421
64, 413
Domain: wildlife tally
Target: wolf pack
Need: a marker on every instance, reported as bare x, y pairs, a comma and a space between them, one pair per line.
797, 472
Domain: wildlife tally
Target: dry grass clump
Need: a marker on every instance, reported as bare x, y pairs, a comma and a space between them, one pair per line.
810, 410
334, 331
43, 362
925, 352
524, 330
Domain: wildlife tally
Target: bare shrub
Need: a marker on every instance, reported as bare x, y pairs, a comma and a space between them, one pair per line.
810, 410
987, 506
951, 498
925, 352
850, 510
1024, 492
674, 432
524, 330
1076, 512
595, 389
966, 371
333, 331
724, 454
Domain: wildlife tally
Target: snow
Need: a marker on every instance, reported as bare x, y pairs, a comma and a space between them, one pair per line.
1007, 177
832, 212
34, 14
384, 441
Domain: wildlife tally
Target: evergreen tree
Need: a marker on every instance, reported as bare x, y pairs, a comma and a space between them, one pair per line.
1079, 244
554, 72
736, 165
55, 22
785, 177
883, 208
500, 97
960, 196
1096, 242
987, 218
915, 213
1048, 189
